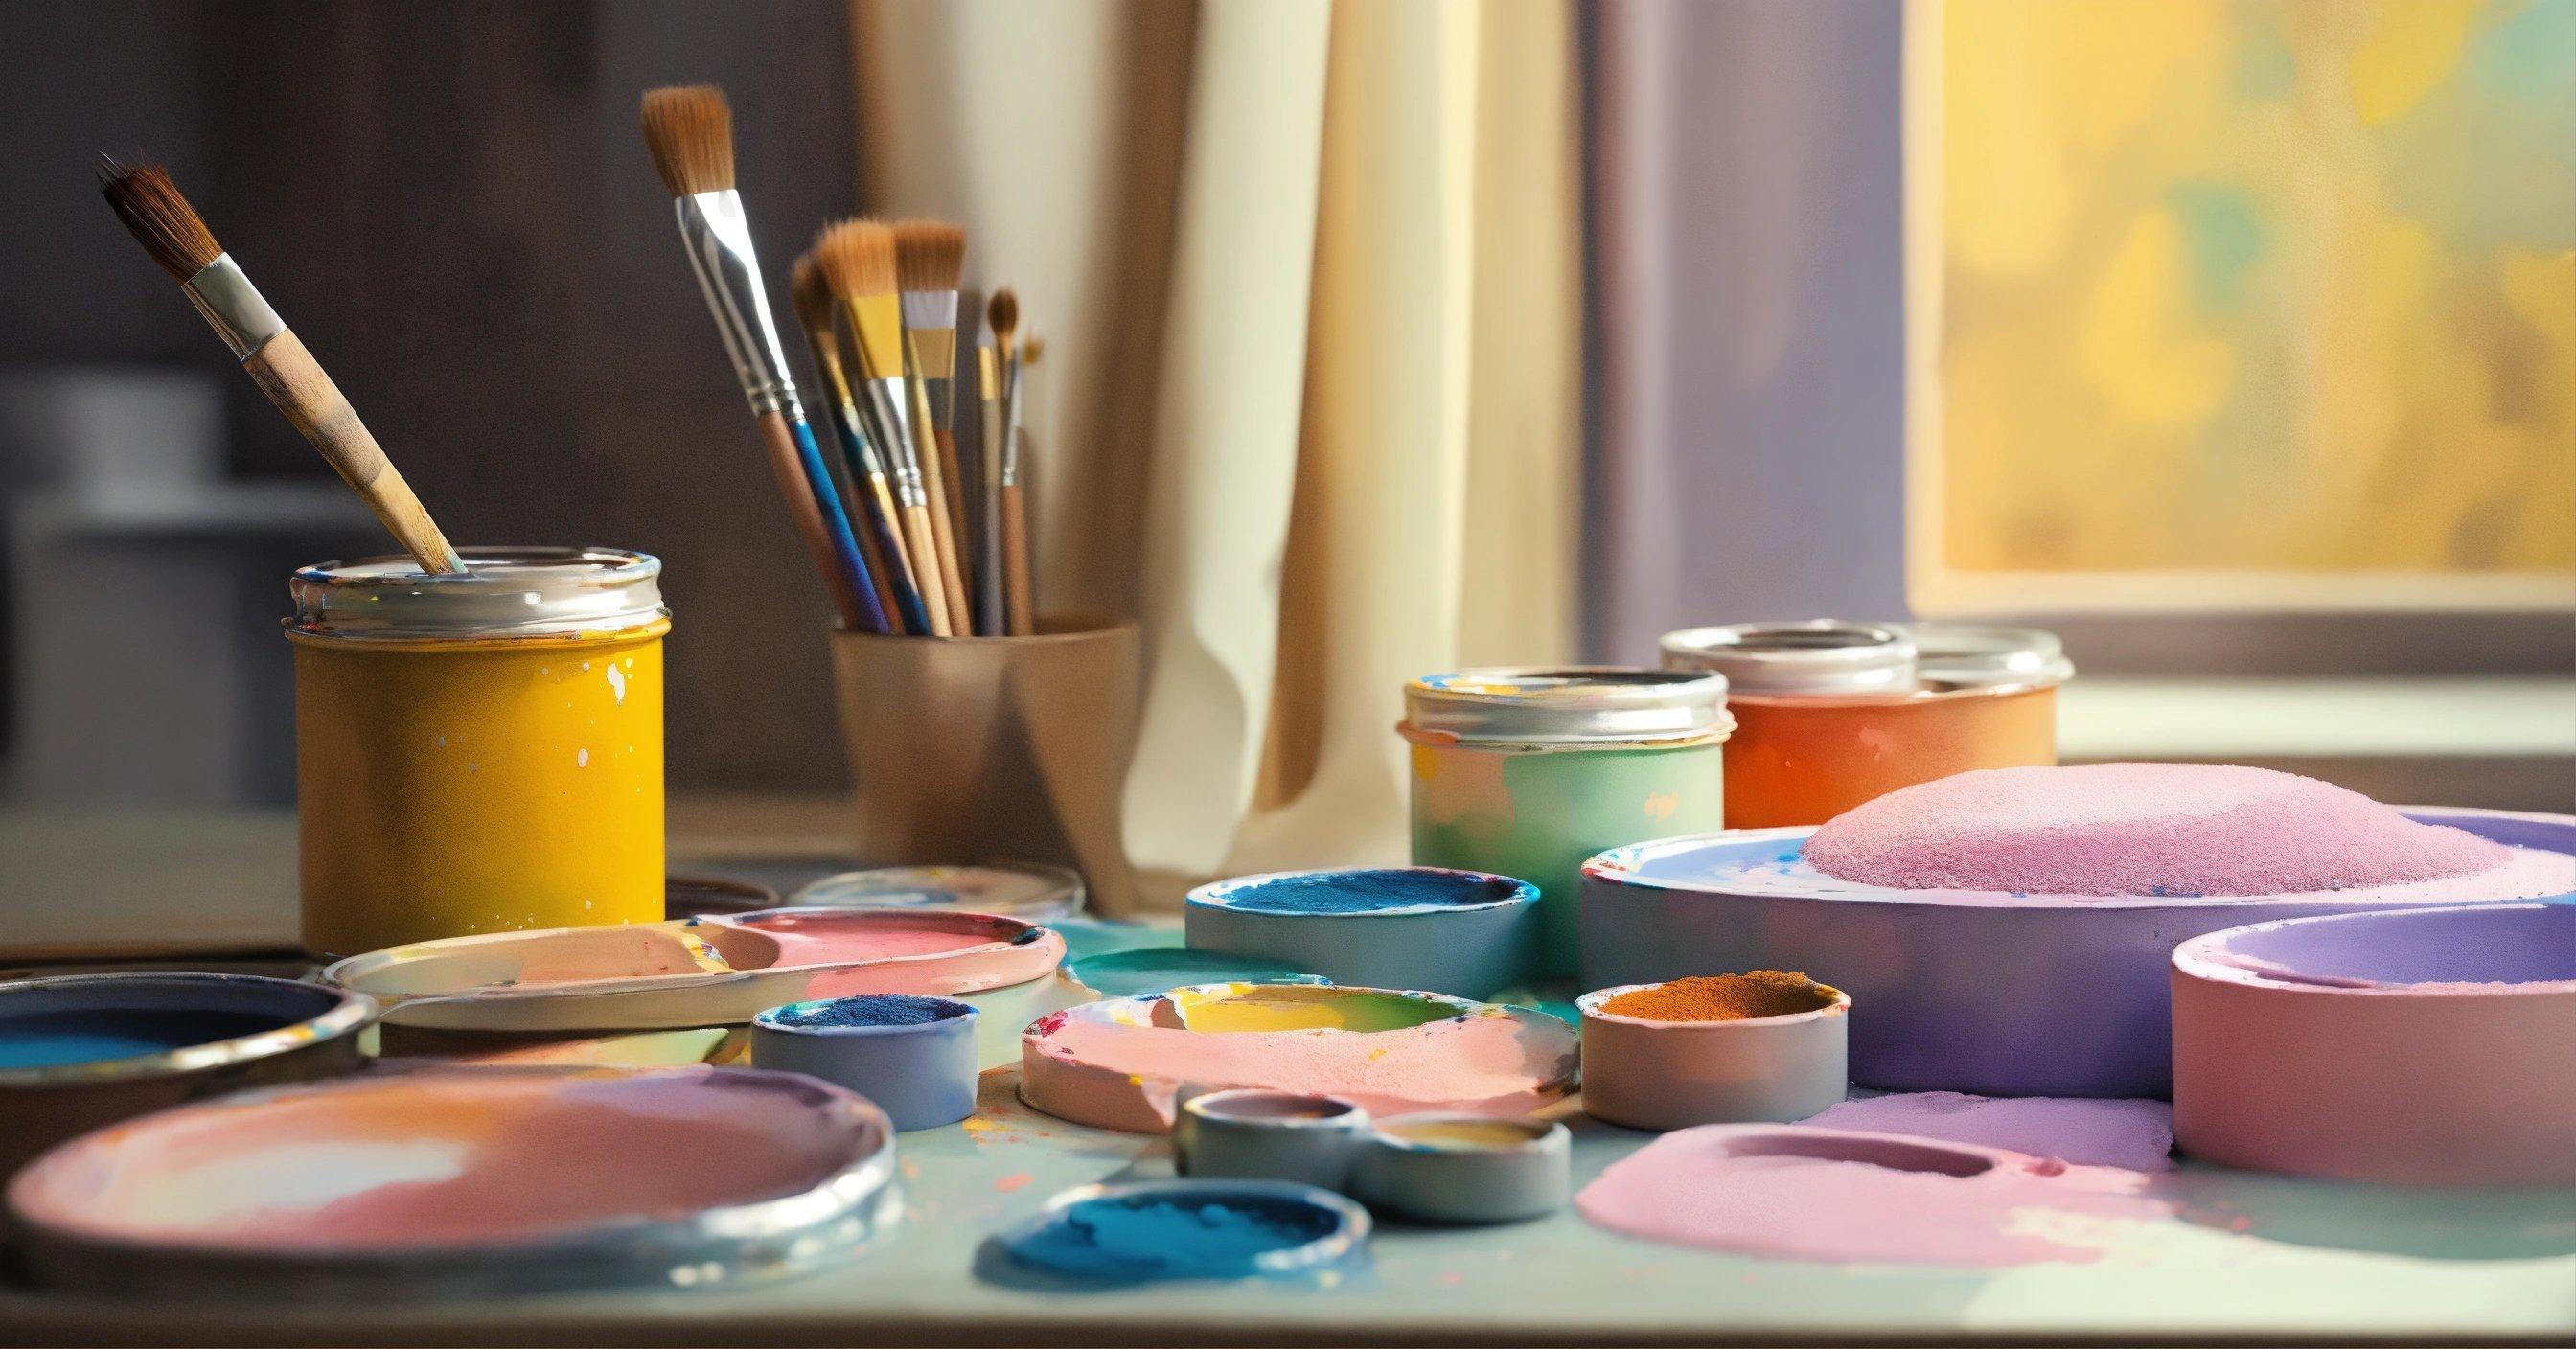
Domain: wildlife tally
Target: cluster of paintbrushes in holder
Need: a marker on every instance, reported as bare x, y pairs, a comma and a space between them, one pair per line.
1011, 745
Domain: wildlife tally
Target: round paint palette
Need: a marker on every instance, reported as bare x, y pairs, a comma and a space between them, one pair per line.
1019, 890
1989, 992
1159, 969
1189, 1229
463, 1182
1120, 1064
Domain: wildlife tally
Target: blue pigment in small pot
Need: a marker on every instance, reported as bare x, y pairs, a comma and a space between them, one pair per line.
1465, 933
912, 1055
51, 1039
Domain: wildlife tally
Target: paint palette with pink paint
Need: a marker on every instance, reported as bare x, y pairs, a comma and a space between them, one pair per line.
2007, 931
698, 971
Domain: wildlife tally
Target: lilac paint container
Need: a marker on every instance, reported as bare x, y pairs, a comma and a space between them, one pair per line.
2000, 995
913, 1056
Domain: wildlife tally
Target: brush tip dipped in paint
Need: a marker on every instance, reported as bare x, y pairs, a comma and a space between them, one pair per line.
689, 130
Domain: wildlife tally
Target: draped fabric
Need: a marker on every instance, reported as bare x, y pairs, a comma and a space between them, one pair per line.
1309, 278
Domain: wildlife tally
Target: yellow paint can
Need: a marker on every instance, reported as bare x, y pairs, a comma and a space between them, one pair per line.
478, 753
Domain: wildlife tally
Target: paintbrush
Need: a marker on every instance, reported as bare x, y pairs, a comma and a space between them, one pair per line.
690, 132
177, 238
1019, 591
872, 498
929, 257
994, 360
857, 257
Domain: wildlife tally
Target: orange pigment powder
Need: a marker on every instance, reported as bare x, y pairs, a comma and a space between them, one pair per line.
1724, 997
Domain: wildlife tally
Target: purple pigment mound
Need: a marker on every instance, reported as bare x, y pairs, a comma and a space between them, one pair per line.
2179, 830
867, 1009
1367, 890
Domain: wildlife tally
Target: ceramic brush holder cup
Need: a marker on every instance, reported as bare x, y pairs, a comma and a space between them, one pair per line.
976, 749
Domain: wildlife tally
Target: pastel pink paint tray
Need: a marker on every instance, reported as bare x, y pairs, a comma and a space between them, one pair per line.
695, 971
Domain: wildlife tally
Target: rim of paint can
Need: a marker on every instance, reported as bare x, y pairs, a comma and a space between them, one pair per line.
1108, 965
1531, 1135
505, 592
1024, 890
1221, 1107
2214, 956
1225, 894
1804, 657
951, 1013
1986, 656
342, 1012
1350, 1222
842, 1210
1590, 1004
1589, 705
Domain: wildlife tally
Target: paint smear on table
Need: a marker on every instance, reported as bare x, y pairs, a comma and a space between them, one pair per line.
2136, 1135
2179, 830
1802, 1193
470, 1157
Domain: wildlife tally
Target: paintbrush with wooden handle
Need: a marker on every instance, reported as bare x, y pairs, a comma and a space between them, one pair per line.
929, 257
858, 261
177, 238
690, 132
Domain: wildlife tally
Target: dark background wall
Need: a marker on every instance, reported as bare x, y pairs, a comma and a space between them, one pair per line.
450, 202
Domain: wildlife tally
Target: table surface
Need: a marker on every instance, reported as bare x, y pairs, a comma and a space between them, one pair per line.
2249, 1257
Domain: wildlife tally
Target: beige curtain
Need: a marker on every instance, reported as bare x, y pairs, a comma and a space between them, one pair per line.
1308, 276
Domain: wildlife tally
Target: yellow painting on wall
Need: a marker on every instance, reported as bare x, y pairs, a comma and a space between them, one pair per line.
2242, 302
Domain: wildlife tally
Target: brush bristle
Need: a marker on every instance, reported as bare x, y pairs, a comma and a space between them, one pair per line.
858, 257
169, 229
689, 129
929, 254
1002, 314
810, 293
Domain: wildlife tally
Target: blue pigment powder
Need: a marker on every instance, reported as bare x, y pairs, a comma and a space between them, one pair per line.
1161, 1238
869, 1009
1368, 891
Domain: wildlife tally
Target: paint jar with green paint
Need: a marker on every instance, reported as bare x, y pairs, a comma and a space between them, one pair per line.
1527, 772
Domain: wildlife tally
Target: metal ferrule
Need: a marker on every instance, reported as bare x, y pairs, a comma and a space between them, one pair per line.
871, 459
1011, 426
224, 294
886, 399
718, 237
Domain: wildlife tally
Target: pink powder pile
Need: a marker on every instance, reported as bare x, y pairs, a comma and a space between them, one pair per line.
1802, 1193
2183, 830
2137, 1135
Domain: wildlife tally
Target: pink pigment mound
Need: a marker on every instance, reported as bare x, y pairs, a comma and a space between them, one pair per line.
2174, 830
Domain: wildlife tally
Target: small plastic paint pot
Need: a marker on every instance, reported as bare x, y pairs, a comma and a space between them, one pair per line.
1458, 1168
701, 896
1190, 1229
1464, 933
1030, 891
1160, 969
913, 1056
1253, 1134
1654, 1074
85, 1050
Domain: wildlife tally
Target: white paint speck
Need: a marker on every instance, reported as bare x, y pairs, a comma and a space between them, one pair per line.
581, 759
617, 681
585, 665
442, 742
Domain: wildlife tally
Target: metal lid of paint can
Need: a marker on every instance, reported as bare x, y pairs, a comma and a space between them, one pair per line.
1814, 656
506, 592
1567, 706
1979, 656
